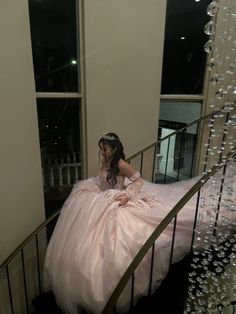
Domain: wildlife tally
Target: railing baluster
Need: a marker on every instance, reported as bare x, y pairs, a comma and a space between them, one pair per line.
60, 175
44, 177
180, 154
51, 176
151, 271
194, 151
38, 267
195, 218
219, 199
154, 163
9, 289
141, 166
62, 171
173, 241
68, 174
132, 292
208, 146
167, 156
223, 138
76, 172
25, 286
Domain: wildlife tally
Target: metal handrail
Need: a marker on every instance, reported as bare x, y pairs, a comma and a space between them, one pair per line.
41, 226
157, 232
144, 249
175, 132
28, 239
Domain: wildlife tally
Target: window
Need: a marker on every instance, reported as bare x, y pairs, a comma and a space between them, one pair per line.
57, 68
184, 57
54, 45
184, 63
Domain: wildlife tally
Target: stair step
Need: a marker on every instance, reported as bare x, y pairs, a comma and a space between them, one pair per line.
169, 298
45, 303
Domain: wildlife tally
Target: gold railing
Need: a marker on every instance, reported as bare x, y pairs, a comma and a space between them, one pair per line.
110, 306
34, 235
199, 123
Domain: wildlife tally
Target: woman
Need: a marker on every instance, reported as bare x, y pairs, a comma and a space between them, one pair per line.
103, 223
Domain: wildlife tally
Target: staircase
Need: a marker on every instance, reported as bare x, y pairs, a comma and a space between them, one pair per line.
174, 288
169, 297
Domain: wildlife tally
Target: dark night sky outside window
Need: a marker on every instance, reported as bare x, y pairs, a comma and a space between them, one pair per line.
58, 126
59, 131
53, 32
184, 59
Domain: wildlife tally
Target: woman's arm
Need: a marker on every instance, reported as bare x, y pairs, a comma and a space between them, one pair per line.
132, 190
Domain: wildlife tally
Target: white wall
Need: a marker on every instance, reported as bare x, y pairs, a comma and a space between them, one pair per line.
21, 190
123, 59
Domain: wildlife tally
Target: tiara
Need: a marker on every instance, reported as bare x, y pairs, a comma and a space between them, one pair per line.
109, 137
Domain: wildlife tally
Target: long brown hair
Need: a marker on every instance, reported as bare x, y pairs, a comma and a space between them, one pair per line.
112, 140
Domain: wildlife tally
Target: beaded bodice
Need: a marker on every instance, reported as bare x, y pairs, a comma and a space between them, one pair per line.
104, 185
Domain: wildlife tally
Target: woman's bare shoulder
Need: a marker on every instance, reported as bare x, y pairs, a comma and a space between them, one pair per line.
125, 168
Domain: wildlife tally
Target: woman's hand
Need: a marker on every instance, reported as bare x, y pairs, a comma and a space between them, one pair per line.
123, 199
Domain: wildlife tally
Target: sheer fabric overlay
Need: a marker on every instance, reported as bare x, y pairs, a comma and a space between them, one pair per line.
95, 240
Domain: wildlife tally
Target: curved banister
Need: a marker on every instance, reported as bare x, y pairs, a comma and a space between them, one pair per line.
161, 227
37, 230
28, 239
177, 131
41, 226
108, 309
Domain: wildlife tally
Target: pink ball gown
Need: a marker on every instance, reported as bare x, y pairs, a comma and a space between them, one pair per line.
95, 240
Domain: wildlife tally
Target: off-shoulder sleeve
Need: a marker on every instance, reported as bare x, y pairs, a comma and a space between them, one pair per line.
134, 186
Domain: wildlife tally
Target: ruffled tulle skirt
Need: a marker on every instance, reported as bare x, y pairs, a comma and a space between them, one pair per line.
95, 240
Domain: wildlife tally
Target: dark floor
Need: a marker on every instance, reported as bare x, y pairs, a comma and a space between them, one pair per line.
45, 304
168, 299
162, 179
